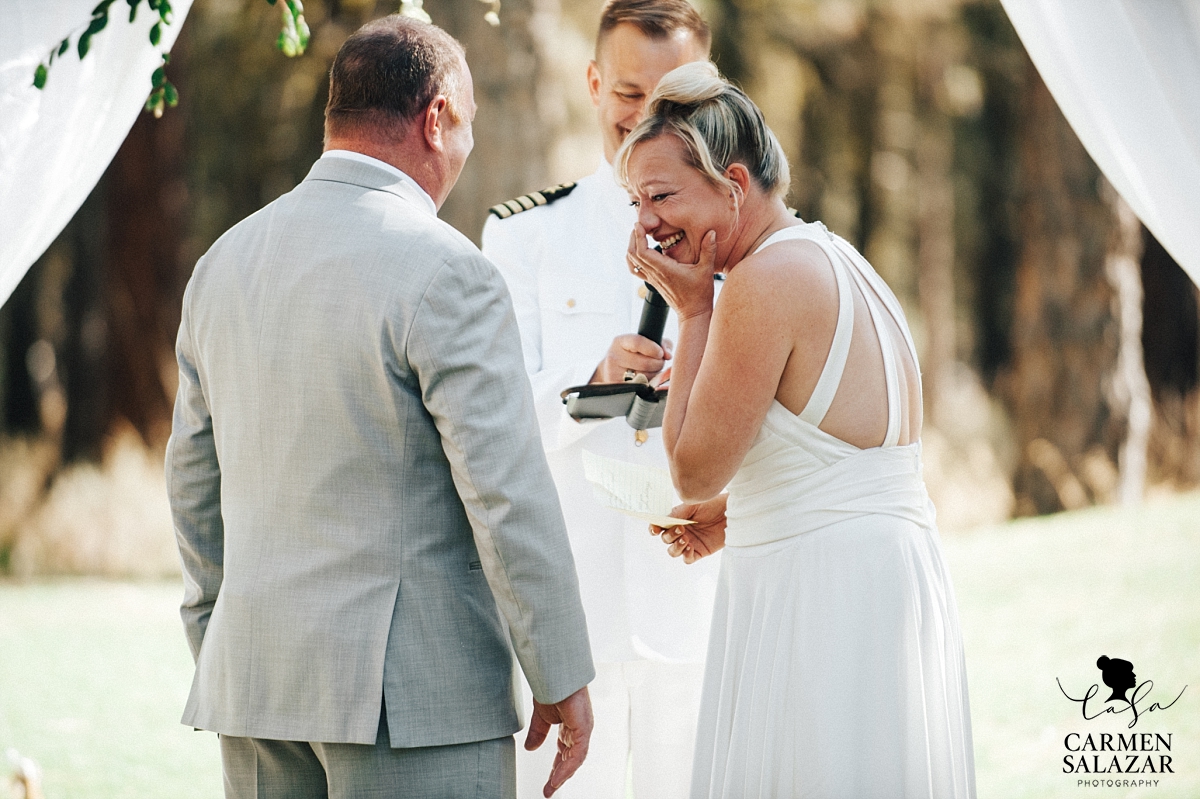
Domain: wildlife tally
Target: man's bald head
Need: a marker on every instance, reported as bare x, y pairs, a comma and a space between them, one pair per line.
387, 73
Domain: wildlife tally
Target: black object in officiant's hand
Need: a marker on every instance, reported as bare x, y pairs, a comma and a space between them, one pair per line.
641, 404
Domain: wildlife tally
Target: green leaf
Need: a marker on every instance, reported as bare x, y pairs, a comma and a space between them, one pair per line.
102, 8
289, 38
293, 38
270, 2
159, 76
39, 76
304, 36
287, 44
95, 26
156, 33
166, 58
170, 94
62, 47
132, 12
98, 23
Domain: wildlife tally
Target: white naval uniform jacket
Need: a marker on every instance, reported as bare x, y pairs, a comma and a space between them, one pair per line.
564, 263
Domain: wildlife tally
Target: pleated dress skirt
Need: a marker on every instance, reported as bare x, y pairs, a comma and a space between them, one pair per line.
835, 668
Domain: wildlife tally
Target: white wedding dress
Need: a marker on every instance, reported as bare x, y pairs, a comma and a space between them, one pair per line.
835, 665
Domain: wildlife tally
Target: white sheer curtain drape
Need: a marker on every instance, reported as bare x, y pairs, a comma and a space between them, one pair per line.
1126, 74
56, 143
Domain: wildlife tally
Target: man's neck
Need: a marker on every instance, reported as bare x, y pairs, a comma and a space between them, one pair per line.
423, 171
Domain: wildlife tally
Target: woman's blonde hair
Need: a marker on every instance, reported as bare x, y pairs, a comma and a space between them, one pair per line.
717, 123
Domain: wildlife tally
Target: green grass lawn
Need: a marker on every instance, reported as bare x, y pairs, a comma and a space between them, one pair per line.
93, 677
1044, 598
93, 674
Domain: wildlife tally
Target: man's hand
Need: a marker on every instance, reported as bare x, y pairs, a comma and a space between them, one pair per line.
635, 353
699, 540
574, 717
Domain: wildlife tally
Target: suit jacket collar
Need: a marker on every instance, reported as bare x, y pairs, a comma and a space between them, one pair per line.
369, 176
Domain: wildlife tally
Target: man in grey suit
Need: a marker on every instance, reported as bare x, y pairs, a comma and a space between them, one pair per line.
355, 472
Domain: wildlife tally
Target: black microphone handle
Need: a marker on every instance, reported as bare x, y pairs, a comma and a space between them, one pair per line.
654, 315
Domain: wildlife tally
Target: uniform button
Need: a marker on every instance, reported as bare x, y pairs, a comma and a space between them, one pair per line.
571, 303
642, 291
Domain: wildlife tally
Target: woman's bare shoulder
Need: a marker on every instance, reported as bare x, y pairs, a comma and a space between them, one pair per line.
792, 272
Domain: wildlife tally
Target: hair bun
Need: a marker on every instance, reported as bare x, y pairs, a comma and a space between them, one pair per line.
690, 84
1102, 662
717, 124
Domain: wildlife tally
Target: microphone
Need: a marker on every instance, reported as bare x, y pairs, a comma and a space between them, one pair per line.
654, 315
654, 312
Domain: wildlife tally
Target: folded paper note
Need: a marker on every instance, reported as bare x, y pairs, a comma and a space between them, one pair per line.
643, 492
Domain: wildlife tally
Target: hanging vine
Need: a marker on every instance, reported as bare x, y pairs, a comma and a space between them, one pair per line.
292, 40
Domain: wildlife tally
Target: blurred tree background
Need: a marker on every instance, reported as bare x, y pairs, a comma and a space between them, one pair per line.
1059, 341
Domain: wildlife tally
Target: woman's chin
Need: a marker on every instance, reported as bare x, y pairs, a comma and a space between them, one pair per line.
682, 254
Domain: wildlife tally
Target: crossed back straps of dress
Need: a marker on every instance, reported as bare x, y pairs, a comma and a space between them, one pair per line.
844, 259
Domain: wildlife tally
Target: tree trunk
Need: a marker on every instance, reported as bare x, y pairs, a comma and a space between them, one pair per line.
935, 220
1130, 388
145, 204
1064, 336
1171, 347
507, 64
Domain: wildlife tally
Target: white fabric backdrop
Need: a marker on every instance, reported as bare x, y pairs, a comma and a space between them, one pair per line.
56, 143
1126, 74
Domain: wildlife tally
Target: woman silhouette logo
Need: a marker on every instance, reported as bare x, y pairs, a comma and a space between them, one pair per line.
1118, 675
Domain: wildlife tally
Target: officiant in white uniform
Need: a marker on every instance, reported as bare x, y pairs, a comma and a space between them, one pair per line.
562, 253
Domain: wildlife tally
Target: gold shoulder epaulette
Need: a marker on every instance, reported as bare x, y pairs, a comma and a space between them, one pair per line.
532, 200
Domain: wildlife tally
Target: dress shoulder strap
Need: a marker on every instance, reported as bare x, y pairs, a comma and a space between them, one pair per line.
839, 350
891, 370
880, 300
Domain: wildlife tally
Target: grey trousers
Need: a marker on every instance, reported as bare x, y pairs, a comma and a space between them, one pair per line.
256, 768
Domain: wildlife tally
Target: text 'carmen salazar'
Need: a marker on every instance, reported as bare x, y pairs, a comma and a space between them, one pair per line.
1105, 753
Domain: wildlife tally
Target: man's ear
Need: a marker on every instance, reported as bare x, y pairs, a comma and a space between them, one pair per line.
593, 80
434, 127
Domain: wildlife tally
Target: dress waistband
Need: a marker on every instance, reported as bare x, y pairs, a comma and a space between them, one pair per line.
766, 504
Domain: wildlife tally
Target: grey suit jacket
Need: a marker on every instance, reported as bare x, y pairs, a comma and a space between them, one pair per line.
357, 481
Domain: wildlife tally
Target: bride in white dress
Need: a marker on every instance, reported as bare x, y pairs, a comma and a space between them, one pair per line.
835, 667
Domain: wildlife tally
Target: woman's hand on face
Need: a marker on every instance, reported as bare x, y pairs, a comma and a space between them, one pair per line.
699, 540
688, 288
